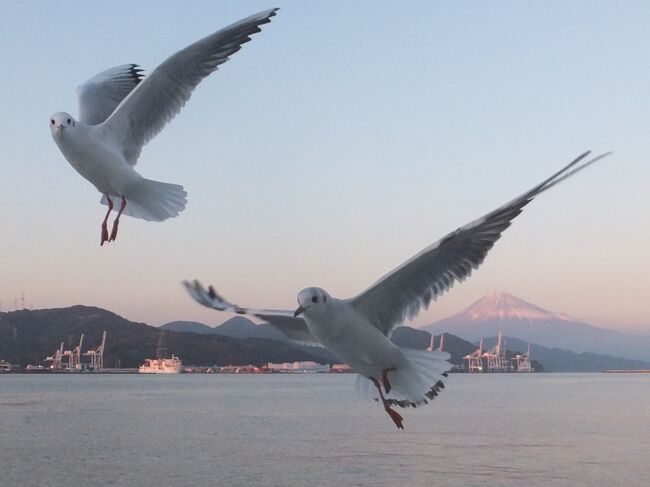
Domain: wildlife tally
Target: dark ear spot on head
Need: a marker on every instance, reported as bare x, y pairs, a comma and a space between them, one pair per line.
324, 299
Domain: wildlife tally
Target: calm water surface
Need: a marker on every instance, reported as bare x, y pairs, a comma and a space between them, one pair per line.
284, 430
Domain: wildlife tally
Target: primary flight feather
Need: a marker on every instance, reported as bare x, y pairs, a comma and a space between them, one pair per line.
120, 110
357, 330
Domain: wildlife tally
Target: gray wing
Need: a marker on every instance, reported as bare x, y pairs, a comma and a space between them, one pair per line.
163, 93
401, 294
101, 94
294, 328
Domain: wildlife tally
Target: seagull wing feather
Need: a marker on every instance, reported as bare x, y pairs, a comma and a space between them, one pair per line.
294, 328
162, 94
401, 294
101, 94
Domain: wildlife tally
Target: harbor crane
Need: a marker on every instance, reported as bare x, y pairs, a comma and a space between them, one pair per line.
432, 344
56, 359
97, 355
496, 358
475, 359
523, 361
74, 356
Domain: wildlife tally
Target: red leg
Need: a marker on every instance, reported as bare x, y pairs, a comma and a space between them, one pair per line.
394, 415
104, 223
117, 220
384, 378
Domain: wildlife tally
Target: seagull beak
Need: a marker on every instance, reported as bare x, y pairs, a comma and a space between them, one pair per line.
299, 311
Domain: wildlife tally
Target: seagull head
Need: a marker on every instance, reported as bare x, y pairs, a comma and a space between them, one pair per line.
61, 122
312, 300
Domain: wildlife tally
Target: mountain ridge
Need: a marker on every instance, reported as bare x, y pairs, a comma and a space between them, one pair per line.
544, 358
28, 336
526, 321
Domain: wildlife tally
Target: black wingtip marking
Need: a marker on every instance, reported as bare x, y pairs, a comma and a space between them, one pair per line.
403, 403
437, 387
212, 293
272, 13
431, 394
135, 72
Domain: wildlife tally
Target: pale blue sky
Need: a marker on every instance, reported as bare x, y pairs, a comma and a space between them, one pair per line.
341, 140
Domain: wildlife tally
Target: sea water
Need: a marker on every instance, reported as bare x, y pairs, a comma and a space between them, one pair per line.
312, 430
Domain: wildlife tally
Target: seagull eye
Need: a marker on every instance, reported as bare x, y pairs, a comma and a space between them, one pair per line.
314, 299
52, 121
69, 121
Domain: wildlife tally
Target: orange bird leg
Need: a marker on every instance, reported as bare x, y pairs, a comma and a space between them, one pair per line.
394, 415
104, 223
384, 378
117, 220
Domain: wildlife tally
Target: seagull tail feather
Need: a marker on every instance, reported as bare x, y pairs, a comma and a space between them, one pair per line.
415, 384
151, 200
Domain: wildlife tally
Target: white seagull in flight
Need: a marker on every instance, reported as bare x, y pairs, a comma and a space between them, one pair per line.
120, 110
357, 330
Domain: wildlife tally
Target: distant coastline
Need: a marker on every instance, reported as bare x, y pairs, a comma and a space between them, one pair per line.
618, 371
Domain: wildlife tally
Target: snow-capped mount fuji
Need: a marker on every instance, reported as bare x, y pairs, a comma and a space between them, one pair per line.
517, 318
504, 305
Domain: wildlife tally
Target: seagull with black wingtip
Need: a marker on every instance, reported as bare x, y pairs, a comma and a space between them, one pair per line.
120, 111
357, 330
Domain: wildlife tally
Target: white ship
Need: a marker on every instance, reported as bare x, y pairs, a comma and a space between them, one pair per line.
161, 366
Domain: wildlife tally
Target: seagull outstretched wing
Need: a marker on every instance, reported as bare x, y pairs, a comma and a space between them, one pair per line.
401, 294
101, 94
294, 328
162, 94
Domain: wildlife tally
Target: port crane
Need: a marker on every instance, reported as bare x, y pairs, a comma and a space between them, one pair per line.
97, 355
475, 359
523, 361
56, 359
